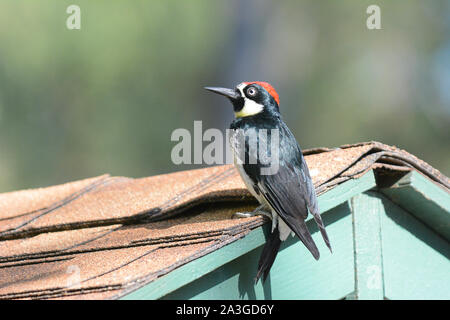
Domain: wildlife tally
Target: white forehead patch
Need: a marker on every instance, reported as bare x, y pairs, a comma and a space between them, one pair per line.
241, 87
250, 107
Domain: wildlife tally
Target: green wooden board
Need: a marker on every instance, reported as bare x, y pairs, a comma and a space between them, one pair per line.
416, 261
295, 273
426, 200
366, 210
234, 280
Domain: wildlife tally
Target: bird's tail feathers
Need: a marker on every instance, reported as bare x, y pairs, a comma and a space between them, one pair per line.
321, 226
300, 229
268, 255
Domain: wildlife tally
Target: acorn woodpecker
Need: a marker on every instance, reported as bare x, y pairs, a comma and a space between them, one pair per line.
285, 194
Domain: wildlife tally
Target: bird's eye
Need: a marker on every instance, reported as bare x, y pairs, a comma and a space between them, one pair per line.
251, 91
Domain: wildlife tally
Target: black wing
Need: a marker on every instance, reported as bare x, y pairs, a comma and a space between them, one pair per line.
290, 190
313, 205
287, 196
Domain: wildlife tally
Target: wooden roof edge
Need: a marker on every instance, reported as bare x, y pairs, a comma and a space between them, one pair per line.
426, 200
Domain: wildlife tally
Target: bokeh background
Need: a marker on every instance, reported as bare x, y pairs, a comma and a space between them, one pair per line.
106, 98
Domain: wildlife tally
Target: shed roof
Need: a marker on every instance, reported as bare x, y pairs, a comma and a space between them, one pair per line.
107, 236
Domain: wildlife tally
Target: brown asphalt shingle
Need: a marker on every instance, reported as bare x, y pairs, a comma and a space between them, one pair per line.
102, 237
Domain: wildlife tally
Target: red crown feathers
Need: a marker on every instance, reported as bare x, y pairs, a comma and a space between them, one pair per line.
269, 89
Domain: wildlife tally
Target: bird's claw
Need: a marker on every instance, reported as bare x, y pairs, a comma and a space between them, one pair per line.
240, 215
260, 211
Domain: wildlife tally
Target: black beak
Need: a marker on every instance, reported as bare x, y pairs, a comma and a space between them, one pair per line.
229, 93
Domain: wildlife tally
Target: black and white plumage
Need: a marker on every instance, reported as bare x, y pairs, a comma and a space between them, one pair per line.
287, 193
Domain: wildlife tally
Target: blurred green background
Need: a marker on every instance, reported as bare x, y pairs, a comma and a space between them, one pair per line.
106, 98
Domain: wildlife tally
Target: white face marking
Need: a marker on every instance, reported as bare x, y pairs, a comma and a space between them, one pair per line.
250, 107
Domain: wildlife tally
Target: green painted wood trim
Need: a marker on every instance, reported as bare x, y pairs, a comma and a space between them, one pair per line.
416, 260
233, 280
198, 268
295, 273
202, 266
425, 199
346, 191
366, 209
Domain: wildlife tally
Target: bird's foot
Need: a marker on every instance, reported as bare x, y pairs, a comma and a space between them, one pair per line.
259, 211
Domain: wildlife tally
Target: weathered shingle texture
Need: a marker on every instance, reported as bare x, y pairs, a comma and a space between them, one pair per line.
106, 236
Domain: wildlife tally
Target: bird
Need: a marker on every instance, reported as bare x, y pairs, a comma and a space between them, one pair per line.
286, 195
